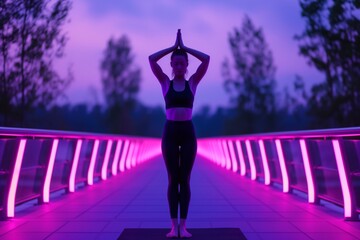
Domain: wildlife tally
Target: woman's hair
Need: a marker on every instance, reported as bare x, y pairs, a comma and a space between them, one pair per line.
180, 52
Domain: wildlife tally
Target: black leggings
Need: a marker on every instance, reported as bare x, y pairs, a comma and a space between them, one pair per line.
179, 151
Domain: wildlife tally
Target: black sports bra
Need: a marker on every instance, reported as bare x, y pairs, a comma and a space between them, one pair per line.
183, 99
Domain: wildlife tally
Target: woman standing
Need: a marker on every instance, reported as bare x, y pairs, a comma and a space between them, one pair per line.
179, 140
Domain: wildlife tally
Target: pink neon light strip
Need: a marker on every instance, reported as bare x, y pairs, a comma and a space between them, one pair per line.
222, 154
49, 171
233, 157
251, 160
308, 173
241, 158
130, 155
74, 166
265, 162
106, 160
116, 158
226, 154
90, 175
284, 173
343, 180
15, 179
134, 155
123, 156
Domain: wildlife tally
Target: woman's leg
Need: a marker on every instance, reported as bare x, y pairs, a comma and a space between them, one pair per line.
170, 151
187, 159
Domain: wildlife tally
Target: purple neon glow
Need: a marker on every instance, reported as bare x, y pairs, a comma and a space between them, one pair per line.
106, 160
241, 158
49, 171
226, 154
123, 156
90, 175
251, 160
129, 156
134, 155
265, 162
343, 179
308, 172
116, 158
222, 154
74, 166
232, 156
10, 212
284, 172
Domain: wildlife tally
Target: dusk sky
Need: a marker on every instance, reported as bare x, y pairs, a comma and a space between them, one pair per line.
152, 25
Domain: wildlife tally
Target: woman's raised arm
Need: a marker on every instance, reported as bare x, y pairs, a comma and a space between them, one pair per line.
155, 57
204, 58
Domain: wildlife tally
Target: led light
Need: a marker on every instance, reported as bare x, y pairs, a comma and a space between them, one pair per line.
241, 158
74, 166
106, 160
251, 160
116, 158
123, 156
90, 176
15, 179
308, 172
49, 171
232, 156
284, 173
134, 155
222, 154
130, 155
343, 179
265, 162
226, 154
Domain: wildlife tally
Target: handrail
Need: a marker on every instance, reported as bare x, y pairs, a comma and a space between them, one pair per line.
35, 162
323, 158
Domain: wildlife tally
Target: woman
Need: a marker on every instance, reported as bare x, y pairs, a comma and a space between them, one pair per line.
179, 140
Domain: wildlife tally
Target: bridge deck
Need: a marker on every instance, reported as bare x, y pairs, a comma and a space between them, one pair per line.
137, 199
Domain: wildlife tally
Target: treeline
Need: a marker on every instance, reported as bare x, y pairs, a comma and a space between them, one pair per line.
31, 38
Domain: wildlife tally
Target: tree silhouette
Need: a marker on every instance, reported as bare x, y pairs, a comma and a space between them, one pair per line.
251, 87
121, 83
331, 43
31, 38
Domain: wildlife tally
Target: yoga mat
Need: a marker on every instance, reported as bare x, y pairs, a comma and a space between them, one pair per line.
197, 234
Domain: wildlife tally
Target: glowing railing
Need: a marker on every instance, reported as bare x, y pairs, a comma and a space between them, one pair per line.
324, 164
35, 163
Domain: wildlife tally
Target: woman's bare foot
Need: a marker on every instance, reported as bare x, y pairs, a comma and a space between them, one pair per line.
184, 233
174, 233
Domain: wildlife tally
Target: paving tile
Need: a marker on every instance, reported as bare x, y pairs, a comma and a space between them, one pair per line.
83, 227
273, 227
330, 236
317, 227
73, 236
284, 236
112, 227
39, 227
24, 236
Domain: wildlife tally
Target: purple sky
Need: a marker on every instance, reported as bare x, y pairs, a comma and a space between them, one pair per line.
152, 25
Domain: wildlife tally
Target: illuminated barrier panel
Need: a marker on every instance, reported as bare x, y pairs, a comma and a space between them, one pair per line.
324, 164
34, 163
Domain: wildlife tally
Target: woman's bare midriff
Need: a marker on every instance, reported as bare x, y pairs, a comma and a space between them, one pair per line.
179, 114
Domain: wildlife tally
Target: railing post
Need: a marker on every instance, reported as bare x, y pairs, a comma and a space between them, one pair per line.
345, 180
14, 170
309, 172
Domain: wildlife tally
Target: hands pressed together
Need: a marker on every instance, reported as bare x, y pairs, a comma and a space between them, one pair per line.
179, 42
